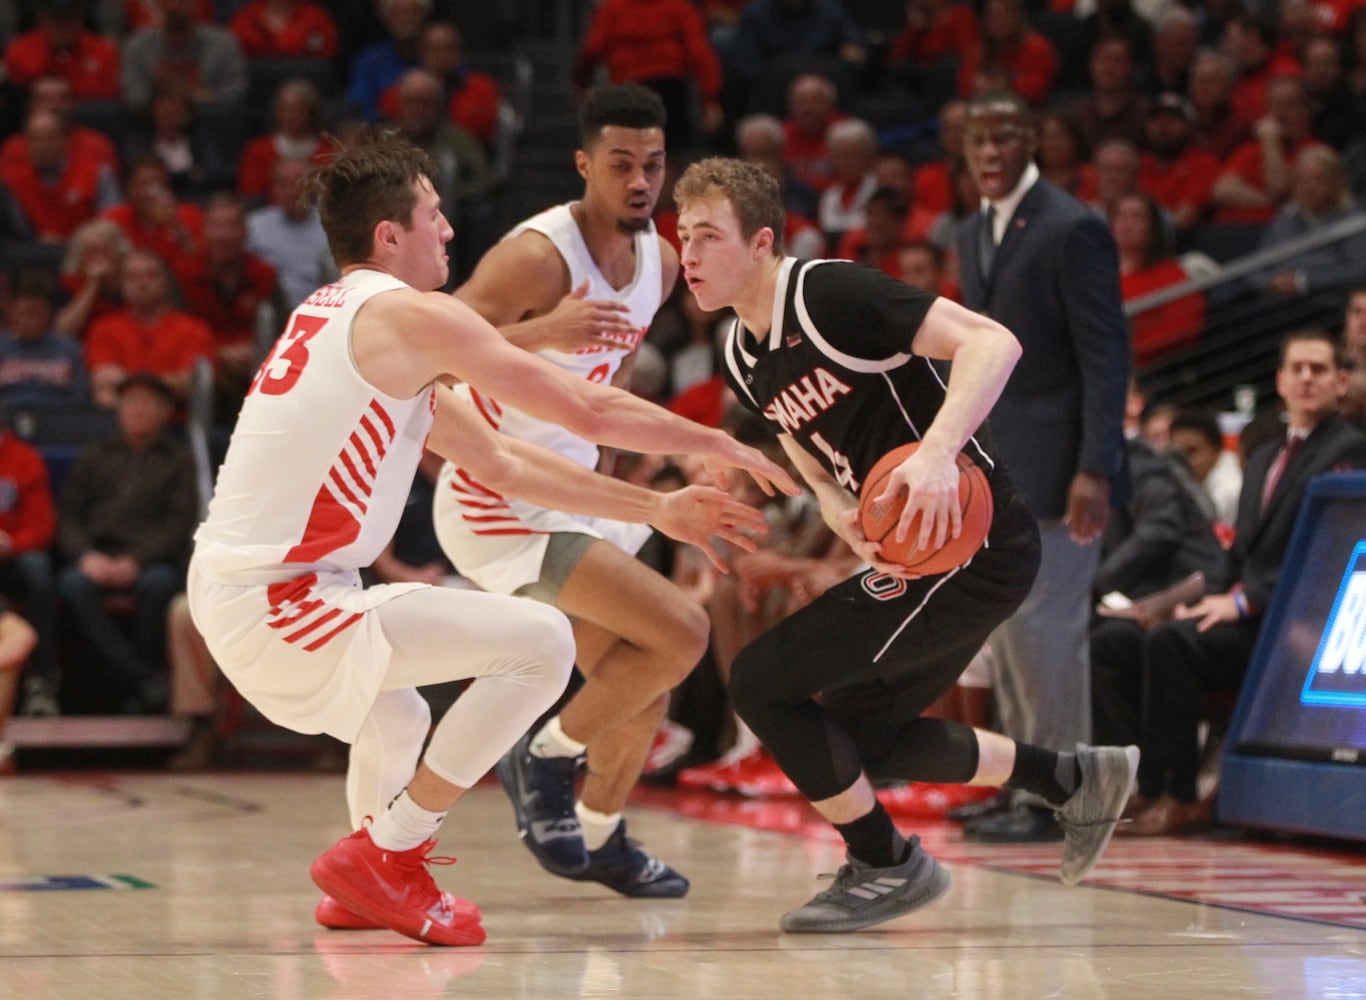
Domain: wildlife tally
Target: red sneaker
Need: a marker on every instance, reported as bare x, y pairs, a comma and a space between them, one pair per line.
760, 777
395, 889
332, 915
755, 774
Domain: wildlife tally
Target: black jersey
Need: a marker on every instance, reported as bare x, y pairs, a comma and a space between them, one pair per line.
836, 370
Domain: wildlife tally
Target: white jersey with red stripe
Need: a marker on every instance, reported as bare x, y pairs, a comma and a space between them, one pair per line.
499, 542
641, 296
321, 462
316, 477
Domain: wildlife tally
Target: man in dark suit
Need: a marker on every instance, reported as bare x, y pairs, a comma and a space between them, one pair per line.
1206, 648
1039, 261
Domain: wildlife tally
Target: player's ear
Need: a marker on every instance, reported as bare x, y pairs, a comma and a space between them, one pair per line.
385, 233
581, 163
763, 242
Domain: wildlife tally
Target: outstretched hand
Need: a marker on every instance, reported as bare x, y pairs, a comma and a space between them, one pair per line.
700, 514
579, 323
771, 477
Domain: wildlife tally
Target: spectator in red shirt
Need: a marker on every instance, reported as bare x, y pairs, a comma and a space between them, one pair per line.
1172, 171
877, 242
92, 276
812, 107
934, 30
60, 45
1146, 263
227, 288
1027, 59
1064, 155
1252, 43
28, 524
285, 29
151, 217
473, 98
295, 135
53, 190
893, 170
934, 179
146, 335
54, 94
1256, 179
1220, 128
925, 266
923, 58
660, 44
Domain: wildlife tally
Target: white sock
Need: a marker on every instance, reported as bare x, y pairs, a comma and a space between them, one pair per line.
405, 825
597, 827
552, 742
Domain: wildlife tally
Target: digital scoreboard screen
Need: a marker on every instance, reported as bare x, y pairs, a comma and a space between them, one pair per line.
1295, 757
1310, 701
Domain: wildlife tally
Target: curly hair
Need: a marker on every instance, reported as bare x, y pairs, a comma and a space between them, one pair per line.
752, 194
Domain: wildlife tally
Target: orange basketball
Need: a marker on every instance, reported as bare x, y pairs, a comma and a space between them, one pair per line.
879, 519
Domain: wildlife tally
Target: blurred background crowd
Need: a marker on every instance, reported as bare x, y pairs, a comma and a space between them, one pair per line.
153, 241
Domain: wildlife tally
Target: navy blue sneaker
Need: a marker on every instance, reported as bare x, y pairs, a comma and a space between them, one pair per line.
542, 794
622, 865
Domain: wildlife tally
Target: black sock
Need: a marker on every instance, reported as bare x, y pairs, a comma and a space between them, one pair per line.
874, 840
1048, 774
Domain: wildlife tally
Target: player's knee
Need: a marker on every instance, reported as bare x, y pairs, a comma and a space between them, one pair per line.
550, 639
688, 643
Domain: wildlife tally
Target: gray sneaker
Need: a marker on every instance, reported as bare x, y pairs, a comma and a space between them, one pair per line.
863, 895
1089, 817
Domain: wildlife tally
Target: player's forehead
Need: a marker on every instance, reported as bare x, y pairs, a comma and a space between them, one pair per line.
633, 143
712, 211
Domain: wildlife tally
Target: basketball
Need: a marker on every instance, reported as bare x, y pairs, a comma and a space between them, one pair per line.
878, 520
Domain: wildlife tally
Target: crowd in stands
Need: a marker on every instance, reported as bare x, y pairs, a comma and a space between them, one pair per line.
151, 222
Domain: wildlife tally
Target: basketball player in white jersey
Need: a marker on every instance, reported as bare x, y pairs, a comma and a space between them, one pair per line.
579, 284
312, 487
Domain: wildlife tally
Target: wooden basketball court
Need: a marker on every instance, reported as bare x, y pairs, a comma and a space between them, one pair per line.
150, 886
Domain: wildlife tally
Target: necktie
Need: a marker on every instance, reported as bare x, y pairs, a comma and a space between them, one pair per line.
1273, 475
986, 245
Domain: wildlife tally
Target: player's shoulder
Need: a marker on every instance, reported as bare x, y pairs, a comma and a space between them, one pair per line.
529, 260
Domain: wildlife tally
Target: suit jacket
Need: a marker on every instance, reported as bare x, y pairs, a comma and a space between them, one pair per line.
1054, 283
1263, 534
1160, 536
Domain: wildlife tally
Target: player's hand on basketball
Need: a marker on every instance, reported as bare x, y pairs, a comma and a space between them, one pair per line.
851, 530
771, 477
930, 479
579, 323
699, 515
1088, 507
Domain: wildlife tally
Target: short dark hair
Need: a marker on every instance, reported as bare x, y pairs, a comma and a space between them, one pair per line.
1001, 97
369, 182
1311, 334
150, 381
625, 105
1201, 422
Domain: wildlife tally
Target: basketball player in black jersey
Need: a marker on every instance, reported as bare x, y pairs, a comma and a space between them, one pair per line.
843, 360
